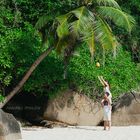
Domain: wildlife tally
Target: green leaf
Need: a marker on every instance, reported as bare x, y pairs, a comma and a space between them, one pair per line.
43, 21
91, 44
119, 17
63, 27
111, 3
104, 35
84, 23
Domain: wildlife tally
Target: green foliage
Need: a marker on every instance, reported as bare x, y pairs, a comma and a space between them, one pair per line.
122, 73
32, 10
131, 42
88, 22
20, 46
18, 50
118, 17
48, 77
1, 98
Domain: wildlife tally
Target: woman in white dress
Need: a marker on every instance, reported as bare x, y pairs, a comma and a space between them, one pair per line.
107, 95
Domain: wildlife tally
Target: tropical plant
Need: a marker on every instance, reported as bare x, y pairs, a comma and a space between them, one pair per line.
89, 23
122, 73
131, 42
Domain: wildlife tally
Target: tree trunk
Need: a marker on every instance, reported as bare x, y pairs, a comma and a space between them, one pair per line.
26, 77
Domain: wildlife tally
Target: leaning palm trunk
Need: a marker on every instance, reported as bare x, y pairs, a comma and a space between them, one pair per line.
26, 77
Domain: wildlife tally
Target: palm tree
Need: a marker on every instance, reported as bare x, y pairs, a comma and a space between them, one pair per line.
88, 23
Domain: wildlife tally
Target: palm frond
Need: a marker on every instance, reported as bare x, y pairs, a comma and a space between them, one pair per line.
44, 28
83, 24
63, 27
119, 17
62, 31
83, 27
91, 44
110, 3
104, 35
77, 25
43, 21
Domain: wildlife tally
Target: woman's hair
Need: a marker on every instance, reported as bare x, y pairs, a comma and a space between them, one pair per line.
107, 93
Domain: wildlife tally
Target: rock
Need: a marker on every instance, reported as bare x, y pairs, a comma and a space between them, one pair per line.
126, 111
9, 127
74, 109
52, 124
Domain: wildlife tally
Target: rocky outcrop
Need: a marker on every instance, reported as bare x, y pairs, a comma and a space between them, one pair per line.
74, 109
9, 127
77, 109
126, 111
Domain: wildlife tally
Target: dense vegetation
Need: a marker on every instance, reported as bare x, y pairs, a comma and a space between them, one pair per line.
20, 45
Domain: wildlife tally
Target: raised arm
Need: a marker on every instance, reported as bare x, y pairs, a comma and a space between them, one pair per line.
100, 80
105, 83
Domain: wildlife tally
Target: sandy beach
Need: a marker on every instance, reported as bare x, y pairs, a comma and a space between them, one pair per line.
82, 133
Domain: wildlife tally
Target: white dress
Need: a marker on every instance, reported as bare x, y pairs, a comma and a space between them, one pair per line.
107, 113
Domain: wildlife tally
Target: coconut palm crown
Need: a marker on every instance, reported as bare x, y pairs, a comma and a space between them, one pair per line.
88, 23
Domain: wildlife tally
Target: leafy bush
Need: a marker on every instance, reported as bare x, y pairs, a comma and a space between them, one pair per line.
18, 50
122, 74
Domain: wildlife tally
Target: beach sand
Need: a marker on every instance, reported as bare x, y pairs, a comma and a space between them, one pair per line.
82, 133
